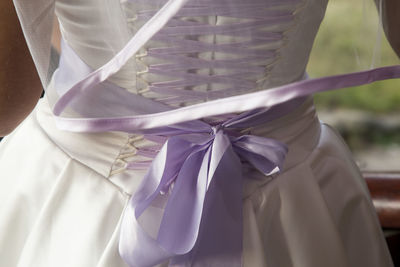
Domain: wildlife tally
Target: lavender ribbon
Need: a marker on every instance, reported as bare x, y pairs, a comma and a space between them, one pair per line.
198, 171
202, 220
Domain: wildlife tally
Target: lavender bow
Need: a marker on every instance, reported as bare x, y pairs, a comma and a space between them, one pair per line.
202, 218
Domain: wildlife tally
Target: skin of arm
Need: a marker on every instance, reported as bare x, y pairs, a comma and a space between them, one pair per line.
391, 22
20, 86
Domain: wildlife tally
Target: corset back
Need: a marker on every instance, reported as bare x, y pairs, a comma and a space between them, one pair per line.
209, 50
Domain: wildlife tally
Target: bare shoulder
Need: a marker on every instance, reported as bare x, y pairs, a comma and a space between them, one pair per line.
391, 22
20, 86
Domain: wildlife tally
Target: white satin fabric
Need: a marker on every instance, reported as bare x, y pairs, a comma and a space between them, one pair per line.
60, 206
63, 194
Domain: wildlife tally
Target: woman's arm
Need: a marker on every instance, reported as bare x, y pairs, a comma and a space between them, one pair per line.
20, 86
391, 22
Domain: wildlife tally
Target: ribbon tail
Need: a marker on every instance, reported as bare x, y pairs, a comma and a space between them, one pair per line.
180, 225
220, 145
136, 247
221, 229
135, 242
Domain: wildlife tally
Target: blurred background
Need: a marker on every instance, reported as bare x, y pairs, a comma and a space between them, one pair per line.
350, 39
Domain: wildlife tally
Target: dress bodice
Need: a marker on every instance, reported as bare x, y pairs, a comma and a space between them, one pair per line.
210, 49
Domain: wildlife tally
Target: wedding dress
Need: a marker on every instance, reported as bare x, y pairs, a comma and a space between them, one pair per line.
64, 194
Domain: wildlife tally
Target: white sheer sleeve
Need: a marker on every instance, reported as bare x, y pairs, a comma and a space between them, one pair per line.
36, 18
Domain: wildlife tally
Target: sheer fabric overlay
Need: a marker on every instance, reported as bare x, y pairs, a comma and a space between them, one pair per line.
203, 51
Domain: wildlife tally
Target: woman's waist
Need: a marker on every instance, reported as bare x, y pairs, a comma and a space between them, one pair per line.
299, 130
112, 152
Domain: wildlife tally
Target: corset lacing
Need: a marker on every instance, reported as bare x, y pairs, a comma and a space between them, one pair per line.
209, 50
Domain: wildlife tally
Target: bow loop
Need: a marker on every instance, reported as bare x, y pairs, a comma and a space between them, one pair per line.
265, 154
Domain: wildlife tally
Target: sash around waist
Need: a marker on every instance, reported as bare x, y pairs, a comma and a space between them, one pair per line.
299, 130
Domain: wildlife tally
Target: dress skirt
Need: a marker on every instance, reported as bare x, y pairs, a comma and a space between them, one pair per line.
61, 204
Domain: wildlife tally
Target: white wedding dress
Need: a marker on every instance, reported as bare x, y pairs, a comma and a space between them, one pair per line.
63, 194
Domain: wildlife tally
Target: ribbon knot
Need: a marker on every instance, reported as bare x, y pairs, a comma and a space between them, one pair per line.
217, 128
202, 214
